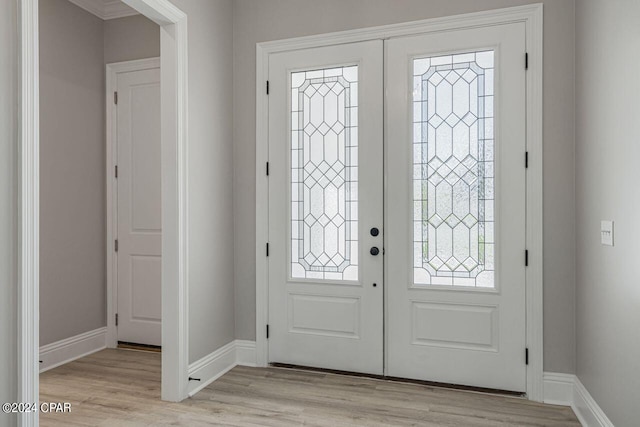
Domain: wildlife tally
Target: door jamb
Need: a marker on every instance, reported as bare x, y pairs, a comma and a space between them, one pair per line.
112, 71
532, 16
173, 42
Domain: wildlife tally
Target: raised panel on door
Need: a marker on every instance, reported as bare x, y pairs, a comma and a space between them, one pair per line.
325, 194
139, 207
455, 217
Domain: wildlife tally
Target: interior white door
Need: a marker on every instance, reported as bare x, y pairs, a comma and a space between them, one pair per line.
455, 224
139, 207
325, 197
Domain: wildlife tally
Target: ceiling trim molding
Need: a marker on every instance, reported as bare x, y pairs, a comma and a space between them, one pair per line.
117, 9
95, 7
105, 9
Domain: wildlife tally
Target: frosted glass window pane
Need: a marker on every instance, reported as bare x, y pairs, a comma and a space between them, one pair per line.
453, 164
324, 170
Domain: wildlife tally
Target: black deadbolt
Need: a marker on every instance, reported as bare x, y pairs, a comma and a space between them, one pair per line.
375, 231
374, 251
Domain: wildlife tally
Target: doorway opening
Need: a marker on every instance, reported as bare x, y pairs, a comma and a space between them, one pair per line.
173, 41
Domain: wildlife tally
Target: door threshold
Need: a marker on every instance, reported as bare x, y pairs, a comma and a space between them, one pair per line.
122, 345
434, 384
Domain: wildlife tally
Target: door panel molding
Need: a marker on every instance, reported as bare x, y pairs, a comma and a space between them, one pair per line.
435, 313
300, 306
532, 17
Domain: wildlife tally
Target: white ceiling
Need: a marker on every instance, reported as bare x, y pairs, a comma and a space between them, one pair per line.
105, 9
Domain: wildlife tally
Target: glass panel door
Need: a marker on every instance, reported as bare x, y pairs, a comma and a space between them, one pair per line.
455, 220
325, 194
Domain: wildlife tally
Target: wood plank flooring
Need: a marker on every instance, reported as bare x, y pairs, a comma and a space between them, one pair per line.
122, 388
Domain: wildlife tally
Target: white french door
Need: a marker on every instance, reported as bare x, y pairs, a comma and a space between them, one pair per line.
452, 305
455, 218
325, 196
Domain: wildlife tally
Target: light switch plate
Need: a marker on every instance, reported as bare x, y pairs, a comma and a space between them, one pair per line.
606, 233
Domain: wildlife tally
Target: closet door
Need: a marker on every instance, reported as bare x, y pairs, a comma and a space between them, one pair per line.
139, 218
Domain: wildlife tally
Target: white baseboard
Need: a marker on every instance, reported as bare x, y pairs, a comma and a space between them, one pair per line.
567, 390
216, 364
67, 350
587, 409
211, 367
246, 353
558, 388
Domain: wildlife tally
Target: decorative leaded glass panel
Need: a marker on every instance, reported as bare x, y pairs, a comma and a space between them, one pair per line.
324, 174
453, 170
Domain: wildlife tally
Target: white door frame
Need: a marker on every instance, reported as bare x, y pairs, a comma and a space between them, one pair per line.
532, 16
112, 71
173, 37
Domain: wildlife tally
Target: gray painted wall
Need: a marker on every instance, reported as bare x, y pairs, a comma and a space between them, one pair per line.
8, 199
257, 21
211, 294
607, 151
74, 47
72, 179
130, 38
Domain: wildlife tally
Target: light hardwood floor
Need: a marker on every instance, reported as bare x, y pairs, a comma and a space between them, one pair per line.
122, 388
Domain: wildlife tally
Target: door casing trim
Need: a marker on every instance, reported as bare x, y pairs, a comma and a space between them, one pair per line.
112, 71
532, 16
